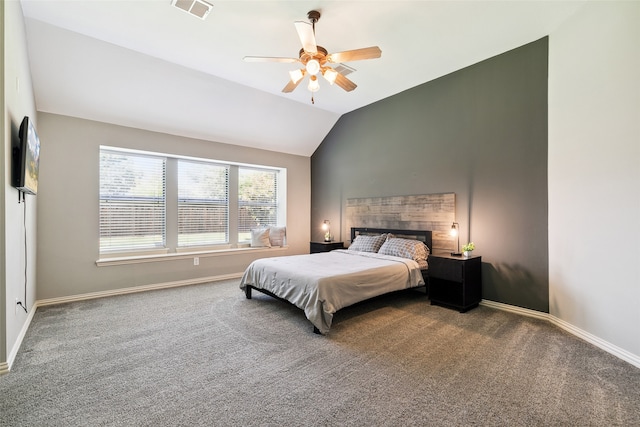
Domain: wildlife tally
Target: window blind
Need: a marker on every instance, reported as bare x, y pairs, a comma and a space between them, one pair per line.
132, 201
203, 203
257, 200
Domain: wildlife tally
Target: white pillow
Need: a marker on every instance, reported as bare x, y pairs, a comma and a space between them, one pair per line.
260, 238
277, 236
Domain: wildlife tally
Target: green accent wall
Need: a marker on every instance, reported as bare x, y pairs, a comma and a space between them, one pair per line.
481, 133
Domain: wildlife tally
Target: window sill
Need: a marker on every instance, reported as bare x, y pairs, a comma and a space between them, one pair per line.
140, 259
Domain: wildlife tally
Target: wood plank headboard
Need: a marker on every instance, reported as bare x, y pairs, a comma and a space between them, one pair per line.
434, 212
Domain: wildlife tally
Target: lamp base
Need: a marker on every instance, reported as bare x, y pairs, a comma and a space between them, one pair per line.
456, 253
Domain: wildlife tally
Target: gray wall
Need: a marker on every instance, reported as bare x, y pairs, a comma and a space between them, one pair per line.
17, 100
481, 133
68, 239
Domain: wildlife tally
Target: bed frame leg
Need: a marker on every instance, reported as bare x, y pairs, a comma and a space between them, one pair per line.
247, 291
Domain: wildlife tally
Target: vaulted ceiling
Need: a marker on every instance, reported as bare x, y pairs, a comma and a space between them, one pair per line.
146, 64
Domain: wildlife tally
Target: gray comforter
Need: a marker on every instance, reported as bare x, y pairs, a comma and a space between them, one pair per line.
323, 283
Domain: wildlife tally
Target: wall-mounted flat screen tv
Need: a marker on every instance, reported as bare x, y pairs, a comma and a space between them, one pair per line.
26, 158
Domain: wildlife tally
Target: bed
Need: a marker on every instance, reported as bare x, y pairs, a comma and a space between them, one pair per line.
377, 262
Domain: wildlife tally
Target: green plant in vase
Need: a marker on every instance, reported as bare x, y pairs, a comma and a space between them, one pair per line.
468, 248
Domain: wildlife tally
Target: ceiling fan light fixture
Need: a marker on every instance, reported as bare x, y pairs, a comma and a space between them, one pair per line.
316, 59
330, 75
296, 75
313, 67
314, 86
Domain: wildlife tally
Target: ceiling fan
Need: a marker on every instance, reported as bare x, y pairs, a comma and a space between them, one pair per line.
316, 59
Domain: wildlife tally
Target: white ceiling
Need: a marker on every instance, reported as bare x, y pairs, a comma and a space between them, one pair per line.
149, 65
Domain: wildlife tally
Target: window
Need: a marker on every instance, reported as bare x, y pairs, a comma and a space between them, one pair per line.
132, 201
257, 200
151, 202
203, 203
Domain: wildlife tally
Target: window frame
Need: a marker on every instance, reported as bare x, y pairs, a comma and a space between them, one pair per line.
134, 201
172, 249
199, 201
254, 203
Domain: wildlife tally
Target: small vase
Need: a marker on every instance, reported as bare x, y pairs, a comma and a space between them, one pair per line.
466, 254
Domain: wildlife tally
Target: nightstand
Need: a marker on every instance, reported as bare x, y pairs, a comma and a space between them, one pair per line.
455, 282
316, 247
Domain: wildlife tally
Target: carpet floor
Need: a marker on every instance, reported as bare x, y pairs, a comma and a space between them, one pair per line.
205, 355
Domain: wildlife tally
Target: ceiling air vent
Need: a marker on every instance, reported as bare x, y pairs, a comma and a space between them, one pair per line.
197, 8
344, 69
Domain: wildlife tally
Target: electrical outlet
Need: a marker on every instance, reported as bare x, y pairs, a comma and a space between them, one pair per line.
196, 261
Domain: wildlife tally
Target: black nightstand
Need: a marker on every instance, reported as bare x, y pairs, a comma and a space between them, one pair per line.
455, 282
325, 246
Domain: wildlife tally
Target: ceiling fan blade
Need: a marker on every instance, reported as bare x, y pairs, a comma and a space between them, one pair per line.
345, 83
307, 36
291, 86
355, 55
269, 59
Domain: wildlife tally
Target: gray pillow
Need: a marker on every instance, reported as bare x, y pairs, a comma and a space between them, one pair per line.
405, 248
364, 243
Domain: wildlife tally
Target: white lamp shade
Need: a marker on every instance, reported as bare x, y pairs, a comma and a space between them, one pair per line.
330, 75
314, 86
313, 66
296, 75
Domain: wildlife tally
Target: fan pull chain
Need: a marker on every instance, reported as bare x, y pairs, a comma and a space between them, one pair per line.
312, 101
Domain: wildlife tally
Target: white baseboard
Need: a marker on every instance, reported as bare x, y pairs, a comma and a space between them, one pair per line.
5, 367
588, 337
598, 342
135, 289
515, 309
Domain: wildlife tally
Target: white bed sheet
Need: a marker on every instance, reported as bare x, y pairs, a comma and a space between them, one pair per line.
323, 283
